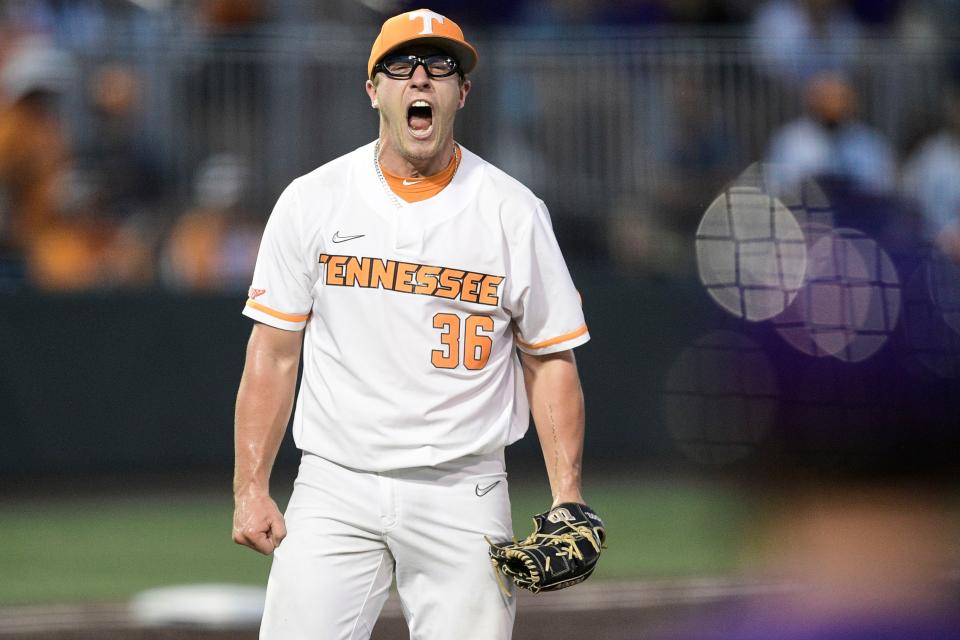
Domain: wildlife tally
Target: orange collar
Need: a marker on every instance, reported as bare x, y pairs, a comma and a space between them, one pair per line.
417, 189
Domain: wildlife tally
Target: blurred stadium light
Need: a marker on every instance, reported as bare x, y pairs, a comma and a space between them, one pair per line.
720, 398
751, 253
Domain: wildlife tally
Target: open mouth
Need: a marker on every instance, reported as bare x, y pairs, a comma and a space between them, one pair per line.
420, 119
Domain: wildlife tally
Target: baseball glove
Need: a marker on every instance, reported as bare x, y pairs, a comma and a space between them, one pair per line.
562, 550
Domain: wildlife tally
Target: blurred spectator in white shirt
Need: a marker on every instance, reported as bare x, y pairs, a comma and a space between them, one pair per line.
931, 176
830, 142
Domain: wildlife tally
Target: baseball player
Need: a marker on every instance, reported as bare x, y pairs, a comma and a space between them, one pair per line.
409, 273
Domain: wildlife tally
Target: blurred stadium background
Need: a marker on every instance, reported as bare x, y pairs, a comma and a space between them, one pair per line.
758, 200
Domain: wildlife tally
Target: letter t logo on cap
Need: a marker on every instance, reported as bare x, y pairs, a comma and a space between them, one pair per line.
428, 18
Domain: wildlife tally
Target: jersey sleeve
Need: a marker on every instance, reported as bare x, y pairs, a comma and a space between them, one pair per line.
548, 315
280, 293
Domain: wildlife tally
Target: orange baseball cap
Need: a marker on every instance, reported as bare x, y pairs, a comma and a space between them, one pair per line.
427, 27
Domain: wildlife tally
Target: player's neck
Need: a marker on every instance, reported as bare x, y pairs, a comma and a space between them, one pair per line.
394, 162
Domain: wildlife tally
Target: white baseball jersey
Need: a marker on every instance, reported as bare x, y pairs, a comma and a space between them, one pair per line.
413, 312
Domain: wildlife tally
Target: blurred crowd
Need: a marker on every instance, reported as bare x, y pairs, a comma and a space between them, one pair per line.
91, 209
87, 202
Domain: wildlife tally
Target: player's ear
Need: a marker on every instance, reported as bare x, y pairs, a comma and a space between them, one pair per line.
464, 90
372, 92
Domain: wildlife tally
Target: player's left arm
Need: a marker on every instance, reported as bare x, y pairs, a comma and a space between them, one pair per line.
556, 402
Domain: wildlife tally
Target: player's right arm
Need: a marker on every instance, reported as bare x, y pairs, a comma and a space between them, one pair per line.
264, 403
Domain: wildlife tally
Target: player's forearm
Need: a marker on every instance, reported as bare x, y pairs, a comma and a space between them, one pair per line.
556, 402
264, 402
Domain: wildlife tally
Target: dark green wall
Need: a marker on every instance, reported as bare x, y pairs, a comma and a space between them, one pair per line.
118, 380
147, 381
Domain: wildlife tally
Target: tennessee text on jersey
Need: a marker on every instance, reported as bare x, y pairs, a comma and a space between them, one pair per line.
409, 277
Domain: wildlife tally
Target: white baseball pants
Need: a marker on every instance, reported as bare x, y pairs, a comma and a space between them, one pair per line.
349, 532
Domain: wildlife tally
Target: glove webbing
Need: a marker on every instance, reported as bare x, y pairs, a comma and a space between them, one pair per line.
568, 547
496, 572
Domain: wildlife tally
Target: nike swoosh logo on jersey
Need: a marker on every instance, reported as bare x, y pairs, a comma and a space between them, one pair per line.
339, 238
482, 491
410, 183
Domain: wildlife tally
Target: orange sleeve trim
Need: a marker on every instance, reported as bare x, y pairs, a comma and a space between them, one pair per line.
552, 341
277, 314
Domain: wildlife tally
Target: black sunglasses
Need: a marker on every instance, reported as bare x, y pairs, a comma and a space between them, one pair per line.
403, 66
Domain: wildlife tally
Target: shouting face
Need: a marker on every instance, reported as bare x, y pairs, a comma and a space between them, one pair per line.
416, 116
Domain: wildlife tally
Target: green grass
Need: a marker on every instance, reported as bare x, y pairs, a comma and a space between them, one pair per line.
108, 548
111, 548
656, 528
